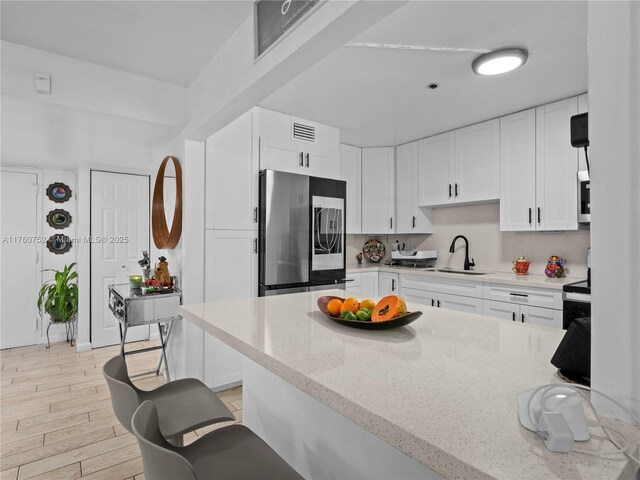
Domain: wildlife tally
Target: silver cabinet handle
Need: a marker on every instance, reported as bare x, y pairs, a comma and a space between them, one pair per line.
449, 190
413, 225
307, 160
530, 213
391, 222
456, 189
519, 295
393, 284
255, 245
255, 215
302, 159
539, 216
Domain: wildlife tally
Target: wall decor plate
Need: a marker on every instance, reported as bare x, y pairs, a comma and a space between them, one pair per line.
59, 244
58, 218
400, 321
373, 250
58, 192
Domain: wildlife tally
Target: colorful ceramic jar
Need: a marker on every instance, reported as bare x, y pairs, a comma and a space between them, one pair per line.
555, 267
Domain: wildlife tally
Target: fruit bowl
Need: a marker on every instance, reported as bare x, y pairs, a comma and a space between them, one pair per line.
399, 321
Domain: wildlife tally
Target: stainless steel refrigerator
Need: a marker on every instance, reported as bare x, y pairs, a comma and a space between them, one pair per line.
301, 233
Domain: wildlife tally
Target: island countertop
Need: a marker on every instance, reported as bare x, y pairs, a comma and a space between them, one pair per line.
442, 389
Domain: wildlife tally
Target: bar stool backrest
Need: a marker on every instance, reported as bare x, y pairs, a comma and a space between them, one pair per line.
159, 458
124, 395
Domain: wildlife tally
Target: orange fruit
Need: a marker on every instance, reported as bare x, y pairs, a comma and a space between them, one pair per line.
368, 304
388, 308
350, 304
334, 306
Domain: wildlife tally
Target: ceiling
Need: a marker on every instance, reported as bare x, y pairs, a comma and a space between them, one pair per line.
378, 97
170, 41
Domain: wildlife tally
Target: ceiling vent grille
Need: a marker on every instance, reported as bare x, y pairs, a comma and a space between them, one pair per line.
304, 132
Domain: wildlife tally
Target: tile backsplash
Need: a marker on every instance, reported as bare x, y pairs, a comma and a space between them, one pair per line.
492, 249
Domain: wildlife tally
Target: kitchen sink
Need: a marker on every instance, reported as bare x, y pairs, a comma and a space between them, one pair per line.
460, 272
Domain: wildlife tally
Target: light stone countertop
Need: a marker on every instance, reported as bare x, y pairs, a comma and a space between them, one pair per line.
442, 389
531, 280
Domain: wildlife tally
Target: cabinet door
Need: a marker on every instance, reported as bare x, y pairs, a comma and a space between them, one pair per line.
503, 310
321, 163
231, 172
351, 172
435, 170
410, 217
231, 264
388, 284
518, 171
556, 167
369, 284
422, 297
459, 303
477, 162
541, 316
378, 190
282, 156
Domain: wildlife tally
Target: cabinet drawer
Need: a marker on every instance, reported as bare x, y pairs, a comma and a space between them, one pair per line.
422, 297
452, 287
356, 280
537, 297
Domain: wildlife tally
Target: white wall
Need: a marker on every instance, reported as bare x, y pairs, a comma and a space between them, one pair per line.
614, 127
492, 249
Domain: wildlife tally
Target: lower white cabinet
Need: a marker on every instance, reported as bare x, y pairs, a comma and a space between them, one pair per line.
363, 284
443, 300
423, 297
231, 269
523, 313
388, 284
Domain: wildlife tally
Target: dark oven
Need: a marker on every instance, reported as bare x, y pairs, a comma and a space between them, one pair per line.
576, 302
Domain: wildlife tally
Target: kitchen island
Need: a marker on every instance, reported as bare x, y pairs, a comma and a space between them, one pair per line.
430, 400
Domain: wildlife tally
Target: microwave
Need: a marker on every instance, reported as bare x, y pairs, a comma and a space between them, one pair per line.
584, 197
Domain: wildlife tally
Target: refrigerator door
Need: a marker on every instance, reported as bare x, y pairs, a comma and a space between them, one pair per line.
284, 228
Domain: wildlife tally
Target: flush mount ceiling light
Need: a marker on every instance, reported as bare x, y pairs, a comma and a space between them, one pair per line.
500, 61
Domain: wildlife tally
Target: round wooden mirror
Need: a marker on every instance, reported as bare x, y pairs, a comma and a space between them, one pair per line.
163, 237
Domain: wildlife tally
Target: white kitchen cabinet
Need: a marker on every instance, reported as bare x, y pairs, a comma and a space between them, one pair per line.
460, 167
523, 313
231, 171
538, 170
378, 190
477, 162
518, 171
459, 303
351, 172
364, 284
410, 217
294, 145
435, 168
388, 284
556, 167
423, 297
231, 270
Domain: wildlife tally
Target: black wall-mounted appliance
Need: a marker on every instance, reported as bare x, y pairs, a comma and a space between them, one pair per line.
580, 130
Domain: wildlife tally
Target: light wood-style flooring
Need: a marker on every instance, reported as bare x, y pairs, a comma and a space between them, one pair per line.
57, 420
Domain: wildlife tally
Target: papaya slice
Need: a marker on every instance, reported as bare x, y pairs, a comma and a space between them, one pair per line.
389, 308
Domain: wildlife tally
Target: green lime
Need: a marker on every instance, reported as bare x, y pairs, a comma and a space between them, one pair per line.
349, 315
363, 315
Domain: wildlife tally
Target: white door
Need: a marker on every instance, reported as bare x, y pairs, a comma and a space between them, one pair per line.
369, 284
388, 284
120, 221
556, 167
351, 172
282, 156
477, 162
422, 297
504, 310
378, 190
435, 170
19, 259
541, 316
231, 177
321, 163
518, 171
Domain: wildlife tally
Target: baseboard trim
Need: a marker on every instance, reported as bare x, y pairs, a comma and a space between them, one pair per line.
83, 347
226, 386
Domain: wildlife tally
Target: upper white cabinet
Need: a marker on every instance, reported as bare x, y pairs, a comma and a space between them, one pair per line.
538, 169
518, 171
410, 217
231, 177
583, 107
435, 169
556, 167
351, 172
378, 190
295, 145
461, 166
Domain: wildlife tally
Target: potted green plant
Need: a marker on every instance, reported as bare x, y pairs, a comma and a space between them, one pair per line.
58, 297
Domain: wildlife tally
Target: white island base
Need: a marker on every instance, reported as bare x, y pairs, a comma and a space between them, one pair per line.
313, 438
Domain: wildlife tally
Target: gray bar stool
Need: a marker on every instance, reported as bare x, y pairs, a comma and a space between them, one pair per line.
185, 405
232, 452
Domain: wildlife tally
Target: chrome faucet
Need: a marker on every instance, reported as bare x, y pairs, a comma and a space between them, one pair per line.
452, 248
